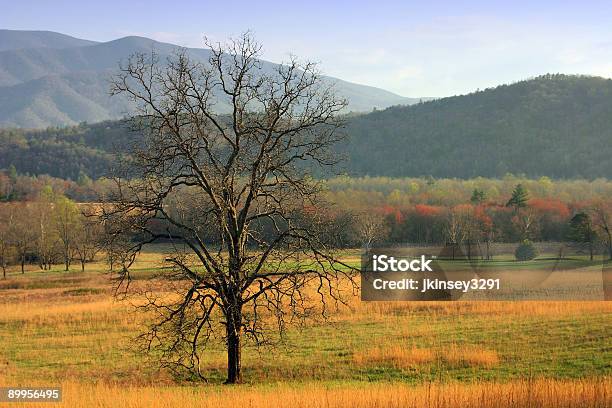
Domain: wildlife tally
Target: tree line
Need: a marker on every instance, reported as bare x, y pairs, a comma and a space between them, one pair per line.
481, 222
49, 230
16, 186
355, 193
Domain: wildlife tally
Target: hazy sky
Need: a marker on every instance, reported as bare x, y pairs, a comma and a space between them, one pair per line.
413, 48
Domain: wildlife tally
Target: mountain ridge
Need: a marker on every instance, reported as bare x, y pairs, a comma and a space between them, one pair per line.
551, 125
19, 39
554, 125
80, 69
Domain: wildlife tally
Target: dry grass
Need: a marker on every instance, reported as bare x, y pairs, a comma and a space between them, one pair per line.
368, 310
538, 393
470, 356
66, 328
403, 357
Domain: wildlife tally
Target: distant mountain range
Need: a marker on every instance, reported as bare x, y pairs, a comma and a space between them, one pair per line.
554, 125
51, 79
19, 39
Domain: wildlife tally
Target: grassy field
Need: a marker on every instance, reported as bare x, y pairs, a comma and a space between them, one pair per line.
66, 328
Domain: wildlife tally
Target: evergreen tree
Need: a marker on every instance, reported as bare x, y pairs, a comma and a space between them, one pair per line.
478, 196
519, 198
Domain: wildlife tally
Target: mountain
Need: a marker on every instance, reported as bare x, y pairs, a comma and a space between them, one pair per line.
19, 39
554, 125
49, 79
58, 100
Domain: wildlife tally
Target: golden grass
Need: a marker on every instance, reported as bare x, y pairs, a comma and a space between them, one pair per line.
83, 342
403, 357
49, 312
537, 393
368, 310
470, 356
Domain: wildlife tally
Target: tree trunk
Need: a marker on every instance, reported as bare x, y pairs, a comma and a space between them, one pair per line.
22, 264
234, 372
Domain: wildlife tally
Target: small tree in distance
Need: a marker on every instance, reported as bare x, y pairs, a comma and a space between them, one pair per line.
370, 228
68, 226
89, 240
519, 198
602, 223
526, 251
6, 221
581, 231
478, 196
524, 218
232, 195
22, 231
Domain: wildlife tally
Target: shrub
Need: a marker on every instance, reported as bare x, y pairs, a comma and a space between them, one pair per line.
526, 251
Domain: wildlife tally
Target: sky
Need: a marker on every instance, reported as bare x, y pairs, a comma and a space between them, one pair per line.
413, 48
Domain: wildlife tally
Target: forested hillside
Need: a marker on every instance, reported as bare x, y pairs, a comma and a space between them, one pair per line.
63, 152
555, 125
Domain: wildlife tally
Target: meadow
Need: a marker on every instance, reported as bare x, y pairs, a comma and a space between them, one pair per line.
66, 328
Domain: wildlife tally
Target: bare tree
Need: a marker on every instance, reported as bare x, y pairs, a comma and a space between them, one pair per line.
88, 240
68, 226
525, 221
46, 236
602, 221
489, 232
455, 229
22, 231
6, 221
371, 228
232, 194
